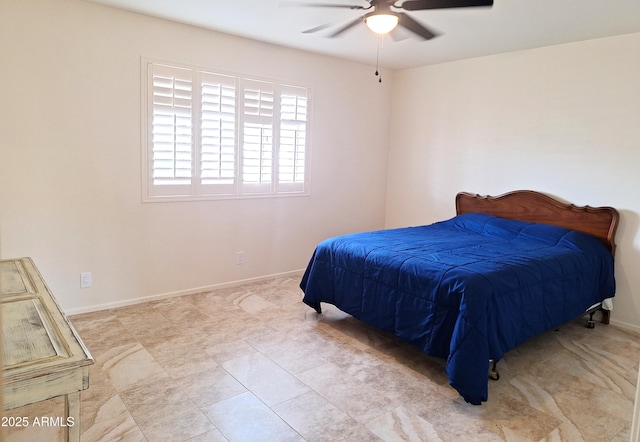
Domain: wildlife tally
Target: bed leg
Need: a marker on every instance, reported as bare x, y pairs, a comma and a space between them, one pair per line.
606, 316
590, 322
315, 305
494, 374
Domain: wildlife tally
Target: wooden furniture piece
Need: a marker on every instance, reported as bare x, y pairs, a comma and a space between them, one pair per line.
473, 287
536, 207
43, 356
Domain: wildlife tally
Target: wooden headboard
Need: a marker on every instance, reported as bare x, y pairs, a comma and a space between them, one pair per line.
531, 206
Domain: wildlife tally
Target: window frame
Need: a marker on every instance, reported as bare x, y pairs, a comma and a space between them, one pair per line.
196, 190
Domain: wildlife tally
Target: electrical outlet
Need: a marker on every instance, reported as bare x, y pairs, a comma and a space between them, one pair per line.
85, 280
239, 258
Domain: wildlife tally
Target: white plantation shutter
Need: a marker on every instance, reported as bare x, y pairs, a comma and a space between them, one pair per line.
257, 136
210, 135
171, 130
292, 152
218, 134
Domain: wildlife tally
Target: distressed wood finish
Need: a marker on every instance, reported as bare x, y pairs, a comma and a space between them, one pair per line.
42, 354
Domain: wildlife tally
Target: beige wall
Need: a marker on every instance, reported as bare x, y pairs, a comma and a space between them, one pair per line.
70, 189
564, 120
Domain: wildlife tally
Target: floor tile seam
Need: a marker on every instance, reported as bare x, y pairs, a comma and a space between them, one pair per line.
266, 355
105, 373
152, 304
274, 362
370, 424
202, 407
179, 386
343, 410
245, 386
592, 357
208, 404
206, 312
164, 313
129, 330
184, 395
608, 376
174, 381
361, 384
116, 395
327, 398
268, 407
130, 415
623, 435
302, 394
120, 323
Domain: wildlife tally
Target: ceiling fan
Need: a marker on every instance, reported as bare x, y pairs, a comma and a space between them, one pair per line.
386, 14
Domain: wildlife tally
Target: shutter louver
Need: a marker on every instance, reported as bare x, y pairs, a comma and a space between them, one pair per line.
293, 134
292, 154
210, 135
257, 135
218, 126
257, 153
172, 136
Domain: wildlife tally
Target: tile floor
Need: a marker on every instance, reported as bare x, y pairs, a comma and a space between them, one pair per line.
253, 363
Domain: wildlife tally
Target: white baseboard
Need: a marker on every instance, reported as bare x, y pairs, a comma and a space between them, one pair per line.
624, 325
193, 291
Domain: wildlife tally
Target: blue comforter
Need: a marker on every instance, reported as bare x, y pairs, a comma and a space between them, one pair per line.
467, 289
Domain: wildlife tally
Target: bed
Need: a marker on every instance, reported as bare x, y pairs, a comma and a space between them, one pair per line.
471, 288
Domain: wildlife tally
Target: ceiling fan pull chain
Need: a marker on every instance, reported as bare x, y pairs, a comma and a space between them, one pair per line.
378, 59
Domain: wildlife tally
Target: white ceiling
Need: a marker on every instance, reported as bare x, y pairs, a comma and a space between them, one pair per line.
510, 25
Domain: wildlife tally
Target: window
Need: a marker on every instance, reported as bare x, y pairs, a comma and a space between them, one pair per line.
210, 135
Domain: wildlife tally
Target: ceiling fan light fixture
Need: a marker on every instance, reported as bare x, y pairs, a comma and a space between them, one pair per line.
382, 23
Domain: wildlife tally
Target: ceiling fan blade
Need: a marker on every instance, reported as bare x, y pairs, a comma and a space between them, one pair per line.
415, 27
418, 5
316, 29
348, 26
322, 5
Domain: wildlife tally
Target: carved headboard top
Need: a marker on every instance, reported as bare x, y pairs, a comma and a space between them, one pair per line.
531, 206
